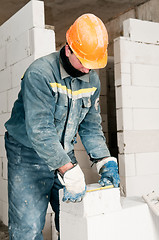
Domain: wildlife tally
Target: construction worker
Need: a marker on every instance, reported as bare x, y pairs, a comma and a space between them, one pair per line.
59, 97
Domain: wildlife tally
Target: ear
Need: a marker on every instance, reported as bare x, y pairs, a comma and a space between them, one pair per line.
67, 51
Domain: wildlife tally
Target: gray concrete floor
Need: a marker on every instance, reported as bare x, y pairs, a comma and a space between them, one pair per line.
3, 232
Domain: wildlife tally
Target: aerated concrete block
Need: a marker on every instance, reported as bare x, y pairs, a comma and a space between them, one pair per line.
138, 141
5, 168
141, 184
3, 102
18, 69
5, 76
12, 96
127, 164
142, 31
3, 118
31, 15
125, 119
145, 75
127, 51
102, 216
102, 202
146, 119
122, 74
18, 49
42, 42
147, 163
2, 149
3, 58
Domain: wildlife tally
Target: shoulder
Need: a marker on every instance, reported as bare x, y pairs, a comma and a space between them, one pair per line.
94, 79
45, 67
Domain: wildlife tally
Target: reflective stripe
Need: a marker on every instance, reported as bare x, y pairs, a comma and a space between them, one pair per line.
85, 92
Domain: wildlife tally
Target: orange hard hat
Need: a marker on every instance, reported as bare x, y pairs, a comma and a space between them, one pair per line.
88, 39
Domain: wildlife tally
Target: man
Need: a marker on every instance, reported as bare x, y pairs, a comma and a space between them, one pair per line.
59, 97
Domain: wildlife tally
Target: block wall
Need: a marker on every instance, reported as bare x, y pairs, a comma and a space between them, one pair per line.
137, 102
148, 11
23, 38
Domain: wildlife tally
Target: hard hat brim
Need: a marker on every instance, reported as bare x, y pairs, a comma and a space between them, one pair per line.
99, 63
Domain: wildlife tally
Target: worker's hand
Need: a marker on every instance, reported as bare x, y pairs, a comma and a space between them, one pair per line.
108, 170
74, 185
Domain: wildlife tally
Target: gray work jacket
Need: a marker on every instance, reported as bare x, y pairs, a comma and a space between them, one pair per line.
52, 107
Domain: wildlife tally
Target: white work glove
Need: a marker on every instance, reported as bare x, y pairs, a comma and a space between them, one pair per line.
74, 184
108, 170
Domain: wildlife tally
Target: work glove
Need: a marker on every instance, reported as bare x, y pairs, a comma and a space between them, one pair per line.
108, 170
74, 185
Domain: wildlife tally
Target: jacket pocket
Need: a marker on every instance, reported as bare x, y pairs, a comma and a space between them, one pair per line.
60, 112
86, 104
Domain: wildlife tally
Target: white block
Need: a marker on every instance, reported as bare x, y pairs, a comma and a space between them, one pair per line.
142, 31
137, 216
12, 96
3, 118
137, 97
134, 213
127, 51
5, 213
5, 168
3, 102
18, 49
140, 185
144, 97
2, 148
1, 209
138, 141
125, 119
17, 24
119, 100
42, 42
18, 70
5, 76
145, 75
78, 225
102, 202
127, 165
3, 58
122, 74
147, 163
0, 171
4, 190
146, 119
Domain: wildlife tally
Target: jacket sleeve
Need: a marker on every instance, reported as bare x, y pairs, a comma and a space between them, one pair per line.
90, 130
39, 105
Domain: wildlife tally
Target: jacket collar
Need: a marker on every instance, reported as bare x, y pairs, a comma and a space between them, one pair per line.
64, 74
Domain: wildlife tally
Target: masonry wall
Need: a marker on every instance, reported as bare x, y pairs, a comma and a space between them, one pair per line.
23, 38
148, 11
137, 102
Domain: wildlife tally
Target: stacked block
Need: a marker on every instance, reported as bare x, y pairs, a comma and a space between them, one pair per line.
104, 215
137, 104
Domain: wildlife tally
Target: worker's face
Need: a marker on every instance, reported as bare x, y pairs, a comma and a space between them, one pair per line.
74, 61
